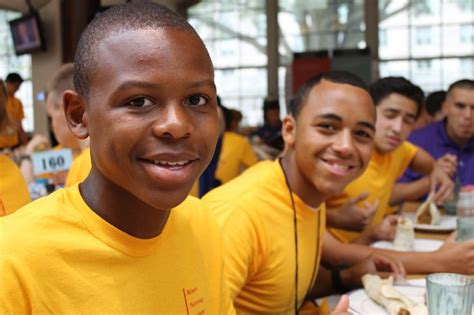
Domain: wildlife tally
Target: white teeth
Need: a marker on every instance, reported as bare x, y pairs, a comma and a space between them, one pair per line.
340, 166
178, 163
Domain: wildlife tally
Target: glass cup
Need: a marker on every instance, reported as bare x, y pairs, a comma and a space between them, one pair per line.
465, 216
449, 294
465, 229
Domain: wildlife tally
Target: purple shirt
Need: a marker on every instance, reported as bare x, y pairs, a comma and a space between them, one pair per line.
434, 139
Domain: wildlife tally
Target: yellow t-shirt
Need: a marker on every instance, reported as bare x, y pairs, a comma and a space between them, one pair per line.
57, 256
236, 153
15, 108
255, 214
378, 179
13, 188
80, 168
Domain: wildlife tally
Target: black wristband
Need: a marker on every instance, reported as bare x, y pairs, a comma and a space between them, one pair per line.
23, 158
336, 280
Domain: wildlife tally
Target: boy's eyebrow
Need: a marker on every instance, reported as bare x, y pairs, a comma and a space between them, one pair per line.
136, 83
149, 85
366, 125
397, 111
202, 83
330, 116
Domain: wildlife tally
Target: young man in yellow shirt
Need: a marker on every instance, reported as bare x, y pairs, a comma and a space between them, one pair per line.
62, 80
236, 152
13, 187
81, 165
127, 240
357, 215
273, 215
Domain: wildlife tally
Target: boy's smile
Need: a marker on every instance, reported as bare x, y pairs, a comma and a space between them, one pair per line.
151, 115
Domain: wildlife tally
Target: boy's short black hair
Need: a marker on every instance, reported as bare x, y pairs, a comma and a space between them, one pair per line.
129, 16
462, 84
382, 88
343, 77
269, 103
434, 102
14, 78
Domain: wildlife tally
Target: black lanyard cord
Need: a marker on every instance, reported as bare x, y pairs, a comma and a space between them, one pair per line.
295, 232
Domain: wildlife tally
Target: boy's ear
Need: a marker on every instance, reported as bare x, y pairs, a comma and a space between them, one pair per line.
75, 112
288, 130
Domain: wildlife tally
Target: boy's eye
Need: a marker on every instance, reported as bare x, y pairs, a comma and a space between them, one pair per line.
326, 126
390, 115
140, 102
363, 134
196, 100
409, 120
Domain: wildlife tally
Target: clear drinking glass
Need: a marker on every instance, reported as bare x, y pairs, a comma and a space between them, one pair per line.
449, 294
465, 216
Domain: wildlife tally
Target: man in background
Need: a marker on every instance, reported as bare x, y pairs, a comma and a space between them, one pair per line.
451, 140
14, 105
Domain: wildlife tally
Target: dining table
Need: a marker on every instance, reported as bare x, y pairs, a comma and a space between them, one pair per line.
406, 209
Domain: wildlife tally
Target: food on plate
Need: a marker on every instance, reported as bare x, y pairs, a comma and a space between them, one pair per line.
405, 236
384, 293
428, 212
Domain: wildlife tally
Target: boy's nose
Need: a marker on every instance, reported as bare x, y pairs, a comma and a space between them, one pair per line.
173, 122
398, 125
344, 144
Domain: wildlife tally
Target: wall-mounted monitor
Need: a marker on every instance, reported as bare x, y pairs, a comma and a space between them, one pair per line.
27, 34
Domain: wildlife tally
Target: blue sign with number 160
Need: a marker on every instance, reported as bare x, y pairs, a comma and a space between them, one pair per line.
51, 161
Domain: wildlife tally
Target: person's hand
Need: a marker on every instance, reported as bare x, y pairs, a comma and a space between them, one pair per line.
385, 230
457, 257
448, 163
38, 140
352, 217
342, 307
376, 263
441, 185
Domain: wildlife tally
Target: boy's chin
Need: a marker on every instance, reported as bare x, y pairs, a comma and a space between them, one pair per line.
167, 201
335, 189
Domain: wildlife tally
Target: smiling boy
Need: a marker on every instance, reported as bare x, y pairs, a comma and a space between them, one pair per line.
126, 240
273, 215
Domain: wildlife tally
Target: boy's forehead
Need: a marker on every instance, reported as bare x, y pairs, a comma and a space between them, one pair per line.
148, 55
399, 101
131, 44
328, 95
464, 94
166, 34
333, 92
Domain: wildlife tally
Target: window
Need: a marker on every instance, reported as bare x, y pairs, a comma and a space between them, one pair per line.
9, 62
466, 34
423, 36
423, 65
235, 35
430, 42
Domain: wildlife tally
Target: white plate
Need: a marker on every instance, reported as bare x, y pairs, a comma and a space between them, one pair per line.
421, 245
360, 303
448, 223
